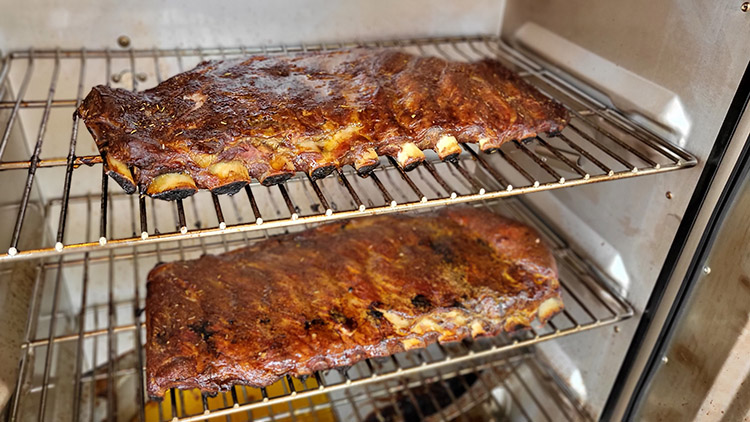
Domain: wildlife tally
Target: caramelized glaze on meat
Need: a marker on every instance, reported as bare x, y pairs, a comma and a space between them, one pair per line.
265, 117
340, 293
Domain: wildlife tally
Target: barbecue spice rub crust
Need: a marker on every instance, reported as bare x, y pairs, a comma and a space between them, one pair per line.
266, 117
340, 293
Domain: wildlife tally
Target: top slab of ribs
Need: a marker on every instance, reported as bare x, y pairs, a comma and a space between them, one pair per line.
266, 117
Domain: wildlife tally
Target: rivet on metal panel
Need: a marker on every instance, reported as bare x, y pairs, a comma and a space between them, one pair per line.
123, 41
706, 270
745, 6
669, 195
664, 359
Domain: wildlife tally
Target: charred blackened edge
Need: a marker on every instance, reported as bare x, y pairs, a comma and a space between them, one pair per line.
276, 179
367, 169
171, 186
230, 188
322, 171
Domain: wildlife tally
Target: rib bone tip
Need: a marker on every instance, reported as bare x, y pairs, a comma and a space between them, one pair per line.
59, 246
447, 146
12, 251
409, 155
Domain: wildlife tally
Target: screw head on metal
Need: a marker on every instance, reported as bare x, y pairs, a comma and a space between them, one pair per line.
706, 270
745, 6
664, 359
668, 195
123, 41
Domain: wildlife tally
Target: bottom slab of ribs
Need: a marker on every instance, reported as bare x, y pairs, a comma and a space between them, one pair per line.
340, 293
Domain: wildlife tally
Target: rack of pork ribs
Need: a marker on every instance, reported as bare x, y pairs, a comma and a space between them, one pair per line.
340, 293
226, 122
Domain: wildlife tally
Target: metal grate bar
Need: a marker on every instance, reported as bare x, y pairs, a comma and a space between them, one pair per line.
586, 154
448, 190
34, 159
288, 202
622, 144
4, 71
182, 224
386, 195
518, 168
50, 346
219, 212
321, 197
469, 178
254, 205
494, 173
352, 192
405, 177
138, 344
563, 158
71, 158
520, 146
17, 103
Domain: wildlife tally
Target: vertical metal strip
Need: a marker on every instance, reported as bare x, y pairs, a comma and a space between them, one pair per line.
31, 320
50, 342
35, 159
17, 105
77, 390
138, 343
111, 342
71, 158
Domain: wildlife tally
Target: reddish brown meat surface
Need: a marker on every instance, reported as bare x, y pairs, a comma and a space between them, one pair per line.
266, 117
340, 293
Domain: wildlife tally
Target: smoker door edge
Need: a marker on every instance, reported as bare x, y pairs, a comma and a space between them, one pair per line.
734, 134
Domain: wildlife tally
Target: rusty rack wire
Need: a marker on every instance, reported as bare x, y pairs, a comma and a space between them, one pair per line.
600, 144
83, 356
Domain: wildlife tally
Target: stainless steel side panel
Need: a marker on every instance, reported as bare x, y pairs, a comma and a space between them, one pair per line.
697, 50
705, 373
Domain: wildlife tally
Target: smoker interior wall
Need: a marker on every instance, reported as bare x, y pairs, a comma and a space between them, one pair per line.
192, 23
698, 52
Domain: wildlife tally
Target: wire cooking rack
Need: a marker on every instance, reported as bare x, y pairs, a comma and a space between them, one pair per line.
600, 144
82, 355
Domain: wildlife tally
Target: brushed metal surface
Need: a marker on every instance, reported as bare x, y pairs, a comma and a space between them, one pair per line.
707, 371
697, 52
